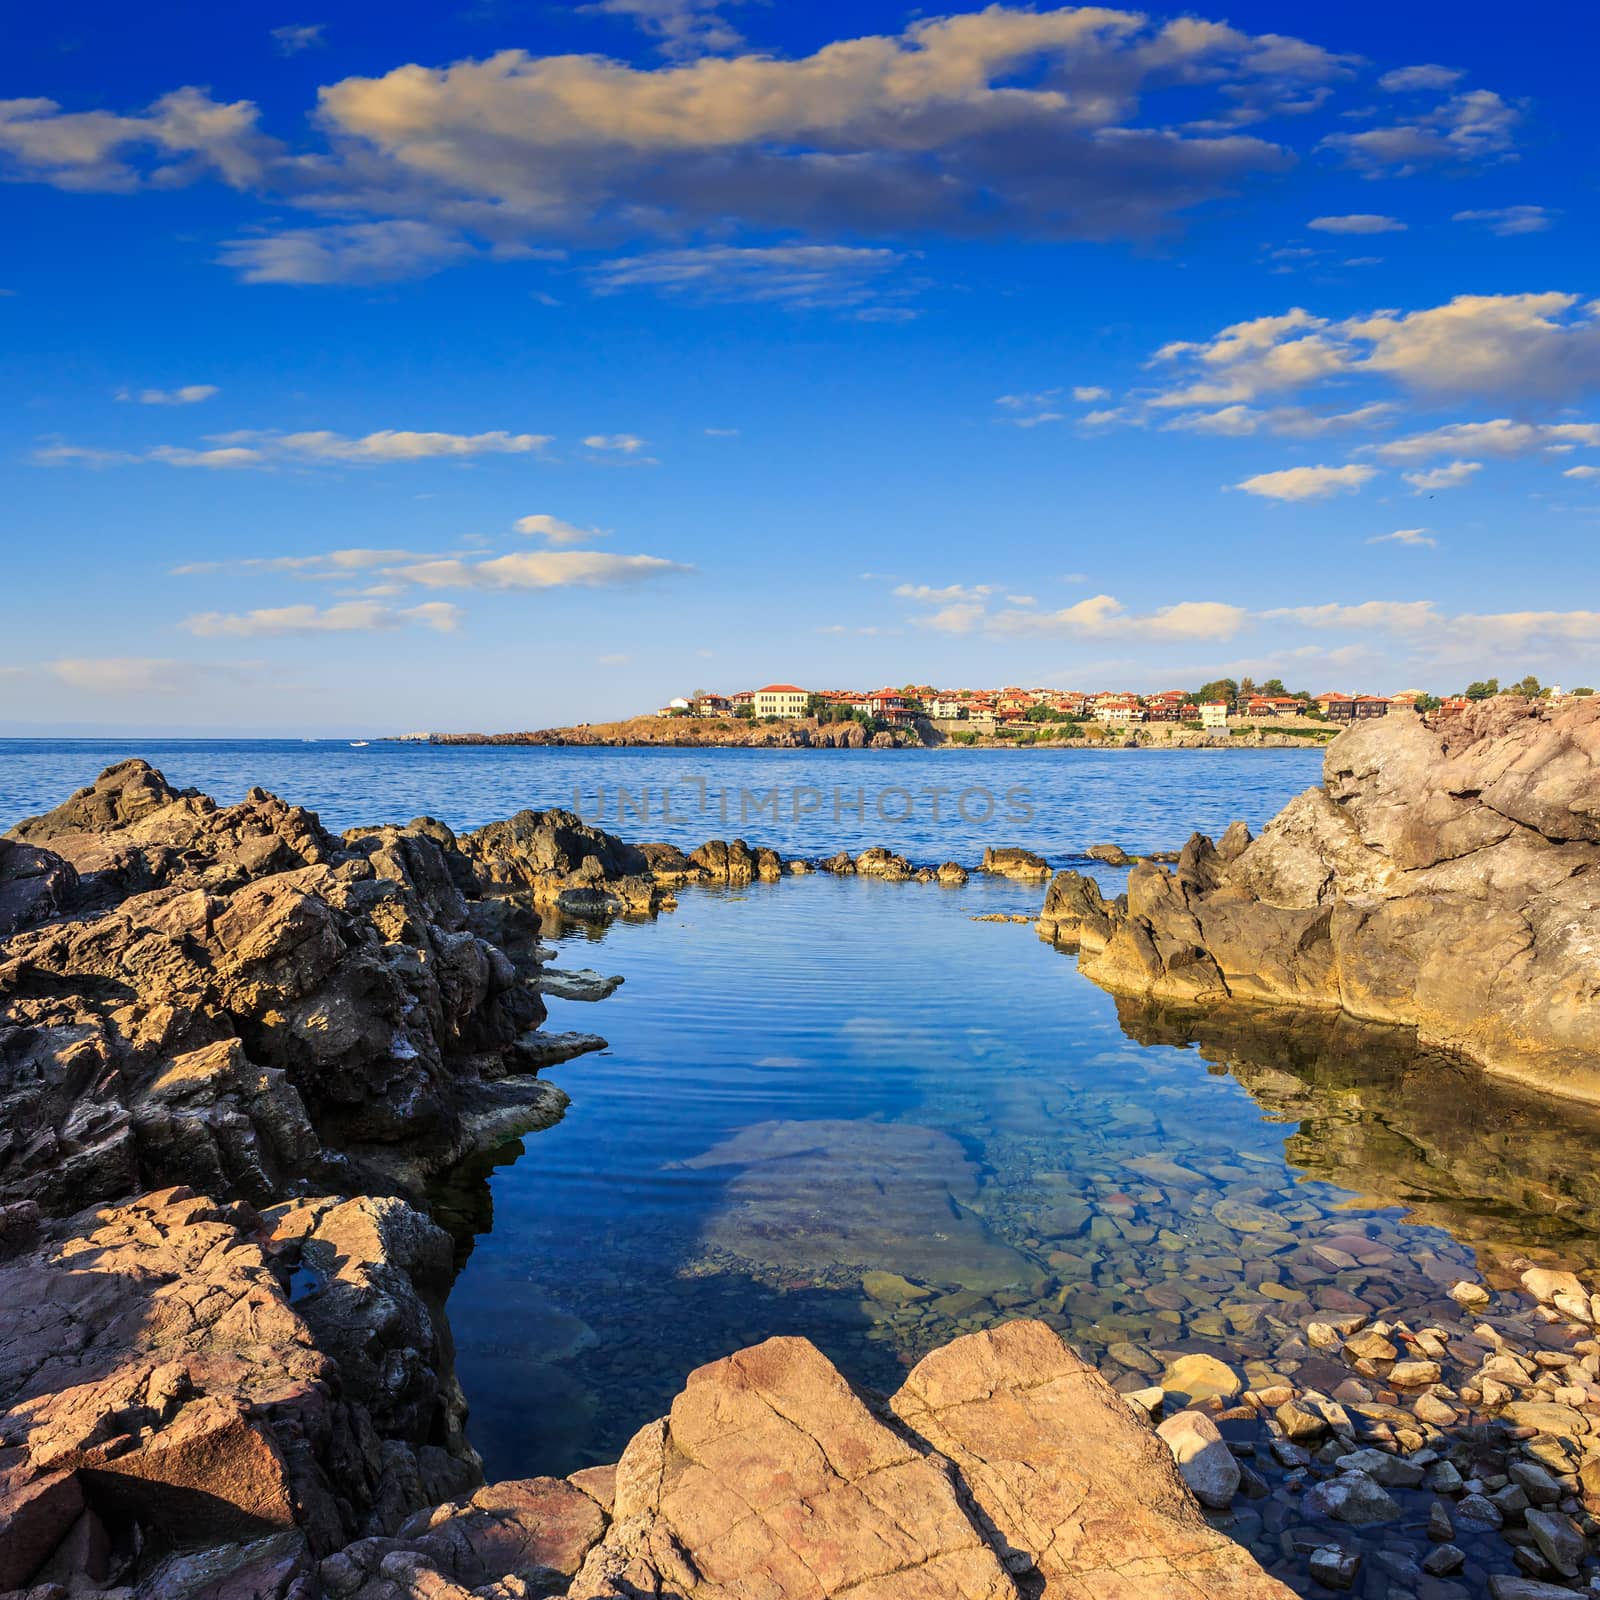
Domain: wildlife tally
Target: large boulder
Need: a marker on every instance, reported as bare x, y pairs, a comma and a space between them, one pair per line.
1445, 877
1004, 1466
561, 861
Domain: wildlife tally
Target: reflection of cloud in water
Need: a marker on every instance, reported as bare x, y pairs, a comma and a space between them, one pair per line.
829, 1199
1500, 1167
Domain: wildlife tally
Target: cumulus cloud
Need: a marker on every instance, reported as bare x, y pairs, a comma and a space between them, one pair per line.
1085, 393
399, 444
182, 136
353, 616
1508, 221
1471, 127
353, 252
1537, 347
628, 444
224, 458
953, 591
1581, 472
1413, 536
1403, 79
801, 275
539, 569
1296, 422
1445, 636
1307, 483
1358, 222
1455, 475
191, 394
553, 529
332, 563
1500, 437
1001, 119
1103, 616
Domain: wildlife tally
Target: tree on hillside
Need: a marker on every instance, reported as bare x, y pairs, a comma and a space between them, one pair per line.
1486, 689
1583, 691
1274, 686
1223, 689
1530, 688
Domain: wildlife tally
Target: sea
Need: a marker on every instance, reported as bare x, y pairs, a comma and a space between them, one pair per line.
874, 1115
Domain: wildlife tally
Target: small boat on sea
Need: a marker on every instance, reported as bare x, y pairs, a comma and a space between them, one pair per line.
359, 744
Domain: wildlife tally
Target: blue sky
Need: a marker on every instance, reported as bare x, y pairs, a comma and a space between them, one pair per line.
504, 364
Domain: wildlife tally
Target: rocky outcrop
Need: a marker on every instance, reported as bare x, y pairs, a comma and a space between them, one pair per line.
1007, 861
1003, 1467
559, 860
1445, 877
234, 999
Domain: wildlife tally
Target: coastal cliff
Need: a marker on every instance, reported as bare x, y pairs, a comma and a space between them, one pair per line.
1445, 876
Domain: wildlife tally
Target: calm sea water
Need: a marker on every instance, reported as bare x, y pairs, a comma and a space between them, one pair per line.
800, 801
847, 1109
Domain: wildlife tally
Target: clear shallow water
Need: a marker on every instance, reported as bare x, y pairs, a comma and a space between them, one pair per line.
799, 801
814, 1080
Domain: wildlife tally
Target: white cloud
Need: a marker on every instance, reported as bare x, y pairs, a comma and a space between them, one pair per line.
190, 394
1543, 347
721, 433
801, 275
954, 591
353, 616
1423, 77
398, 444
180, 137
1087, 392
1307, 483
681, 28
1581, 472
1412, 536
1400, 616
1103, 616
223, 458
1297, 422
147, 675
353, 252
539, 569
293, 37
627, 443
331, 563
1358, 222
960, 617
1455, 475
553, 529
1508, 221
1500, 437
1473, 126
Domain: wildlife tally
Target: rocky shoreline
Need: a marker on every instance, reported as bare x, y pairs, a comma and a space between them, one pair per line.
1444, 877
235, 1051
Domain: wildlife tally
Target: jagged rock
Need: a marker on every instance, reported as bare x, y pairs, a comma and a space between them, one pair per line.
240, 999
561, 860
1111, 855
726, 863
951, 874
842, 865
582, 984
1443, 877
1016, 1458
1010, 862
880, 863
35, 885
154, 1372
1204, 1460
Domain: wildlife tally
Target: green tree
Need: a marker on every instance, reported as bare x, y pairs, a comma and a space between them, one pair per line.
1530, 688
1428, 702
1223, 689
1486, 689
1583, 691
1274, 686
747, 711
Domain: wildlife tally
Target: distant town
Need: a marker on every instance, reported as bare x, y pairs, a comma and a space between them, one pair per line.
1220, 704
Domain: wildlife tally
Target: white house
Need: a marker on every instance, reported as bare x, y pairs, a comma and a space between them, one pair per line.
781, 700
1214, 714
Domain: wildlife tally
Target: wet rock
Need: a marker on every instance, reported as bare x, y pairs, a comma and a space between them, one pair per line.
1468, 1294
1370, 1345
1560, 1540
561, 860
1335, 1567
892, 1289
1204, 1459
1201, 1377
1444, 1559
1504, 1587
819, 1197
1382, 1468
582, 984
880, 863
1010, 862
35, 885
1111, 855
951, 874
1352, 1497
1414, 1374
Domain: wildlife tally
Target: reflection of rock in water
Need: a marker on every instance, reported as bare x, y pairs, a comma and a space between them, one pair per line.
818, 1196
1503, 1169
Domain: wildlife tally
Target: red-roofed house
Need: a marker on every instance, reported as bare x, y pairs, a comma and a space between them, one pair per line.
781, 700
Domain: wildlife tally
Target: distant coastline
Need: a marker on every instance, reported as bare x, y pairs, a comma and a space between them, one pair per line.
806, 733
